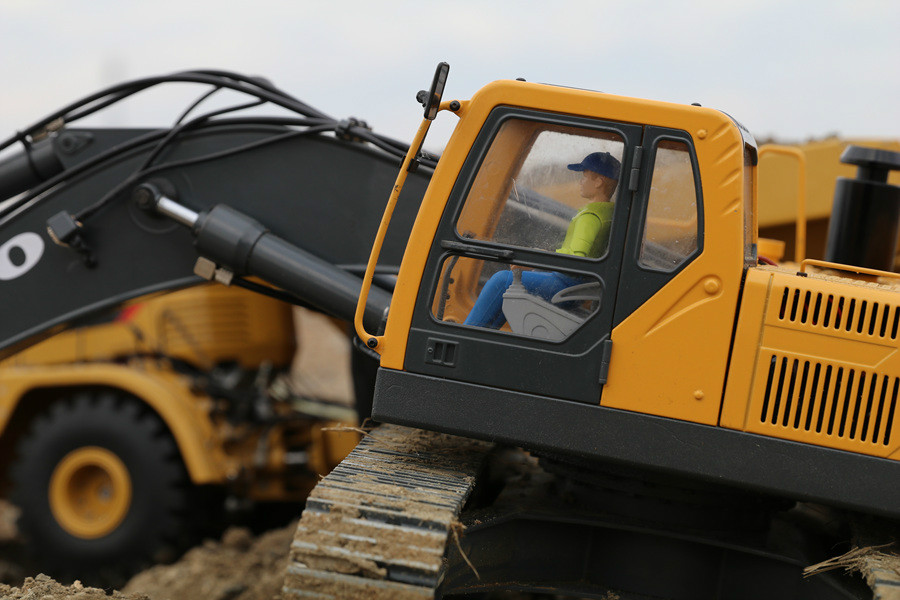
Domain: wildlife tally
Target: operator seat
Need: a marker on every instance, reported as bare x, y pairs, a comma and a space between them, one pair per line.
531, 315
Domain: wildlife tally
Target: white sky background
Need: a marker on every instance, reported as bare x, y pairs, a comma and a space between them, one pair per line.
793, 70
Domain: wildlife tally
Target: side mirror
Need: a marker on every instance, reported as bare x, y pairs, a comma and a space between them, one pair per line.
431, 100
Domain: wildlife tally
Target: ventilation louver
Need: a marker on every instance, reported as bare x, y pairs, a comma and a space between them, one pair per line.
828, 399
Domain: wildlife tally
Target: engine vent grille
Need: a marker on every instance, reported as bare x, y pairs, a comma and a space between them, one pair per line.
832, 400
834, 311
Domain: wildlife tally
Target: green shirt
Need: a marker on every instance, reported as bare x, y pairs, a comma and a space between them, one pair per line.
588, 232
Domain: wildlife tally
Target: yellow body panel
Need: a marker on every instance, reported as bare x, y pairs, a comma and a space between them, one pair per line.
162, 389
203, 325
669, 356
714, 129
816, 361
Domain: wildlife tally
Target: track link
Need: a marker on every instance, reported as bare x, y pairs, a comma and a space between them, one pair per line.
878, 561
882, 574
378, 526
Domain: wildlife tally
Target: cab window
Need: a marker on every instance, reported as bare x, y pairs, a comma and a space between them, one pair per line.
671, 227
529, 188
549, 305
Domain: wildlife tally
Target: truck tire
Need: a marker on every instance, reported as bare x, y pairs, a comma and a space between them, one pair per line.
101, 487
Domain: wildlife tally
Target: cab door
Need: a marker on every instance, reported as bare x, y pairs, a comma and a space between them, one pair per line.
547, 330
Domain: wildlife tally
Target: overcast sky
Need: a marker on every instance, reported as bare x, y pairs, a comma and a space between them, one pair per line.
794, 70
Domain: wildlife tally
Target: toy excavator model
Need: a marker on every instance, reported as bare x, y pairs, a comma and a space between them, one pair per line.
122, 433
697, 397
698, 425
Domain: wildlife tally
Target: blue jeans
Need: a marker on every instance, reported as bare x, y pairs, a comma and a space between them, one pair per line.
488, 309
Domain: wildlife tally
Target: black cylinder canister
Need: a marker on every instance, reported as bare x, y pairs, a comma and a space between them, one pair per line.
865, 218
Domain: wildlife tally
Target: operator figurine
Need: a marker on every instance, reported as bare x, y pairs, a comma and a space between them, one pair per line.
587, 235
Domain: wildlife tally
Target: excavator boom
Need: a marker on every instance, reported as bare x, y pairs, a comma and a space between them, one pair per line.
318, 195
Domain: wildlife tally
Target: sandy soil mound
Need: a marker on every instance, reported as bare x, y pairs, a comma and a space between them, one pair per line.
45, 588
237, 568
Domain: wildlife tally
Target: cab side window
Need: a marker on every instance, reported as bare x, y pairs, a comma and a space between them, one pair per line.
671, 227
525, 193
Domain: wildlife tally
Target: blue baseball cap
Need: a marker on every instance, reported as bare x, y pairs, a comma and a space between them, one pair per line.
602, 163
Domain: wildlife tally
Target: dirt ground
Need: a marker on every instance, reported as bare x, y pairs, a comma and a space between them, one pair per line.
238, 566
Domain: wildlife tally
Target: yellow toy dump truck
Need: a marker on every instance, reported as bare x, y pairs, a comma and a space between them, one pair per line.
118, 437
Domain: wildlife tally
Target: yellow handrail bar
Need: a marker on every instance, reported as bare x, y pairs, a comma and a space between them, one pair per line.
800, 231
373, 341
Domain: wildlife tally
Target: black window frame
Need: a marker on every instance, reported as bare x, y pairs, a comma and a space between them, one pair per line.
644, 205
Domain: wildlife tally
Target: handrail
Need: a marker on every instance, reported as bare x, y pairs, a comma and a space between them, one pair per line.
850, 268
800, 231
373, 341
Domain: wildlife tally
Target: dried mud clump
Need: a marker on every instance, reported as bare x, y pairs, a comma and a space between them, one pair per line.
43, 587
239, 567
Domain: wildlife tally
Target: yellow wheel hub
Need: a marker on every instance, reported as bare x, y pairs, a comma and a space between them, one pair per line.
90, 492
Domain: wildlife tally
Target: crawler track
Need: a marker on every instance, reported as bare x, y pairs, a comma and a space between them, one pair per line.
378, 525
878, 561
388, 523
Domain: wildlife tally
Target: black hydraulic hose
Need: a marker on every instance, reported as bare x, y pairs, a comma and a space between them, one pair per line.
150, 137
271, 292
75, 116
163, 134
180, 127
258, 81
34, 192
23, 171
316, 122
218, 79
120, 91
197, 103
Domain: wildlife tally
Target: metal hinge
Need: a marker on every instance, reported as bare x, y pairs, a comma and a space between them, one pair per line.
634, 176
606, 353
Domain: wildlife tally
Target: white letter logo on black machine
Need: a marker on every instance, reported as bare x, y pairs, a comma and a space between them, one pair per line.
20, 254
